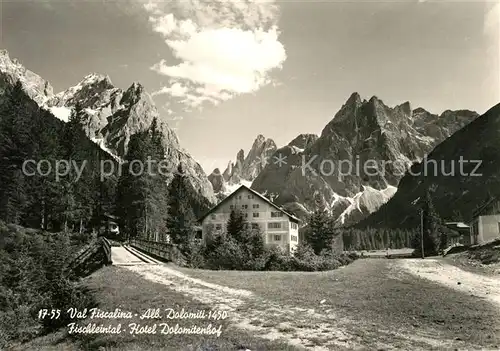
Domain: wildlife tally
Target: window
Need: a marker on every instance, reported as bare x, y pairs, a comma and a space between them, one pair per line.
255, 225
199, 235
244, 207
218, 226
277, 237
294, 238
294, 225
255, 206
276, 214
246, 215
239, 197
273, 225
214, 216
255, 214
231, 207
250, 196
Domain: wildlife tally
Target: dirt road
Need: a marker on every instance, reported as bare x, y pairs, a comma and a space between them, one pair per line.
325, 328
455, 278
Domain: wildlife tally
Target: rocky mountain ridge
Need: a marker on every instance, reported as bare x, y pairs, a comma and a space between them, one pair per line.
11, 71
383, 141
461, 174
245, 169
112, 114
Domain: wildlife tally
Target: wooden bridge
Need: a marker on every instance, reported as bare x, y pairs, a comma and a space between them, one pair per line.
139, 251
101, 252
164, 251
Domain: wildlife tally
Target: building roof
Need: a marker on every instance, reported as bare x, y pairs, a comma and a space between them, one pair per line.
486, 207
291, 216
458, 224
109, 216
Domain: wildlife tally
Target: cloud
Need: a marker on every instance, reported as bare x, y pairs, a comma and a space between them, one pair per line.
492, 20
167, 109
223, 47
176, 89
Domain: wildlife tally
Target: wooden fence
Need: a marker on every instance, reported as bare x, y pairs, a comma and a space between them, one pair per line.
92, 257
165, 251
391, 253
106, 245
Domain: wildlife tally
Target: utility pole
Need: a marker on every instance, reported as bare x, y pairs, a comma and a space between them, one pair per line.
422, 232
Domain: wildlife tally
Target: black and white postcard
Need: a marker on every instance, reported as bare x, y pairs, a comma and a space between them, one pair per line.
249, 175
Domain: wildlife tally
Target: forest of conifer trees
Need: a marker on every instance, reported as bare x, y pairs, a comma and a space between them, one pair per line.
378, 238
40, 198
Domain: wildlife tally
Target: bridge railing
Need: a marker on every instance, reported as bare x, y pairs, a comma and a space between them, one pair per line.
93, 256
106, 245
163, 250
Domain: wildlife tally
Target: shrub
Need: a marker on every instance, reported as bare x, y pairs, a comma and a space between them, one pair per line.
245, 249
64, 295
225, 252
31, 278
277, 260
485, 255
227, 255
196, 255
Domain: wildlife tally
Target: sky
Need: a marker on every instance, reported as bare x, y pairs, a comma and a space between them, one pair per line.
223, 71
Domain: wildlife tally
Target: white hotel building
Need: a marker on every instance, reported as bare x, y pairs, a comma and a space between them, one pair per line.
278, 227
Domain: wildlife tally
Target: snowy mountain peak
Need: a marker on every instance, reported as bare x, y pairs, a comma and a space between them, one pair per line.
111, 115
94, 78
360, 131
11, 72
245, 169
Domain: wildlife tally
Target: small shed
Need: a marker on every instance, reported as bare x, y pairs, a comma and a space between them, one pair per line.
109, 226
485, 226
463, 233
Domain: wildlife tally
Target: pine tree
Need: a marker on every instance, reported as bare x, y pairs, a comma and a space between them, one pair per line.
236, 225
387, 241
15, 147
142, 196
44, 191
320, 231
76, 193
443, 240
30, 133
181, 219
430, 229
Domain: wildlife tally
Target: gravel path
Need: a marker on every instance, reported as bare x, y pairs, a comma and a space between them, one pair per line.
312, 329
455, 278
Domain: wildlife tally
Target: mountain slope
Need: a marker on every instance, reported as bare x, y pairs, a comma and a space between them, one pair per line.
245, 169
112, 115
52, 200
12, 71
455, 192
356, 163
